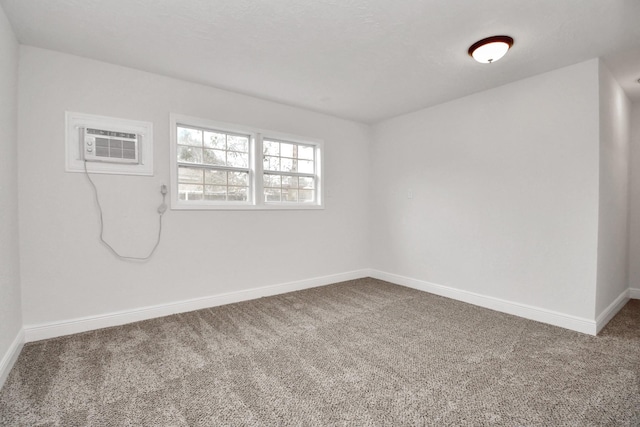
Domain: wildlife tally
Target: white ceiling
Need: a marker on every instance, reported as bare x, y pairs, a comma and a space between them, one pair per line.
365, 60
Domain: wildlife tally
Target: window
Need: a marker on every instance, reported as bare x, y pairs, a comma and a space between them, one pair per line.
215, 166
289, 172
212, 165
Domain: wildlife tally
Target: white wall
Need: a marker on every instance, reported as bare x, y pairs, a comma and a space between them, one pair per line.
505, 203
10, 305
67, 274
634, 200
505, 192
614, 191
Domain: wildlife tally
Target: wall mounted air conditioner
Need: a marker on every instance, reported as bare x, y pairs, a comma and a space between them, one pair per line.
102, 145
108, 145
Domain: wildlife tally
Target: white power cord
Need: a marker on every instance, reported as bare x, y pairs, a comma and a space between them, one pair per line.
161, 210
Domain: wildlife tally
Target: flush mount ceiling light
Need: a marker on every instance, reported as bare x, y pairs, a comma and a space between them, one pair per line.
490, 49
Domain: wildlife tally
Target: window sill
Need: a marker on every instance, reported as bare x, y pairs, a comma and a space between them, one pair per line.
244, 207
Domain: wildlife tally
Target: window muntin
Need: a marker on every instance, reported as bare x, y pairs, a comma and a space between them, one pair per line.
213, 165
289, 172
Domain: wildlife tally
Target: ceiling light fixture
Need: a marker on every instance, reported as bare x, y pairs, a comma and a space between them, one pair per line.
490, 49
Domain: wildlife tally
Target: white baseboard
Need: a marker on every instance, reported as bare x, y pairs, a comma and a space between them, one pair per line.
612, 310
83, 324
72, 326
555, 318
10, 357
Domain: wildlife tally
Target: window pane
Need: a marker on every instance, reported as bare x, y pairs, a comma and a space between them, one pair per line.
289, 195
215, 140
271, 163
191, 137
272, 194
189, 154
215, 192
189, 192
306, 196
238, 178
289, 182
271, 148
214, 157
237, 160
306, 182
190, 175
305, 166
215, 177
238, 143
286, 150
237, 194
272, 181
305, 152
287, 165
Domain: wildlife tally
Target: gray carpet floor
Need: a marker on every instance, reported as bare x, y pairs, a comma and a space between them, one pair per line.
364, 353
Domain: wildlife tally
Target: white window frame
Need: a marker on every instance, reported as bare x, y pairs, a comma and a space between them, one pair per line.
256, 188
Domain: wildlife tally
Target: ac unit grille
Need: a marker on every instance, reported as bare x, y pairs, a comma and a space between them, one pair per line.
115, 148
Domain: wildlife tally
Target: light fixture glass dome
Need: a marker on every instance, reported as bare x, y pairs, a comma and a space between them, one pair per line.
490, 49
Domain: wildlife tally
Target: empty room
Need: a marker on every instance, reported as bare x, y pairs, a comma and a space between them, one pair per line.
301, 213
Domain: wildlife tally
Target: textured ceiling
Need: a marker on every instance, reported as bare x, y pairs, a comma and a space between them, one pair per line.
365, 60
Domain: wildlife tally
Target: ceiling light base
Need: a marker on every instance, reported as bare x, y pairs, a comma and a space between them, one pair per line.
491, 49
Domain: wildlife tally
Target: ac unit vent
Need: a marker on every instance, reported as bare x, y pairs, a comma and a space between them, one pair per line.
110, 146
